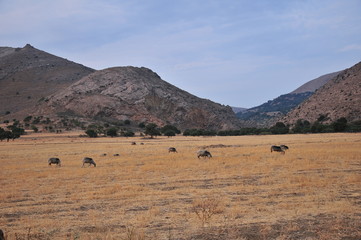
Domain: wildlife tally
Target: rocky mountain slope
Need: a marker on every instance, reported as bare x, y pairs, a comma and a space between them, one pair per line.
140, 95
28, 75
267, 114
339, 97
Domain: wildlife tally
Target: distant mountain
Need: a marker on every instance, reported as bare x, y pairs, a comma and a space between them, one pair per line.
315, 84
267, 114
140, 95
339, 97
28, 75
238, 109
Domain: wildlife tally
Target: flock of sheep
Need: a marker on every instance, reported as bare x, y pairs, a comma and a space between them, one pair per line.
201, 153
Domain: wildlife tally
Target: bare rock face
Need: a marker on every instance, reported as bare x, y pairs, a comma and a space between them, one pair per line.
140, 95
339, 97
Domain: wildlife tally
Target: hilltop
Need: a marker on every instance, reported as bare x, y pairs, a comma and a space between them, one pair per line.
140, 95
339, 97
28, 75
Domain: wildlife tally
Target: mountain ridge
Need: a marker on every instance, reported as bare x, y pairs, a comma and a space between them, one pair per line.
27, 75
138, 94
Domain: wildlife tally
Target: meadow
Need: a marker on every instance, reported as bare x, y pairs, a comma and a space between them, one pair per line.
244, 191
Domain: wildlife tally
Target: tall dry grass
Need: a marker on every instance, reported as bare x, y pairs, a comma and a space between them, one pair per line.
148, 193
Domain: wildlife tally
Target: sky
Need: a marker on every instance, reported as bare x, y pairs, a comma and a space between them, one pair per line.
235, 52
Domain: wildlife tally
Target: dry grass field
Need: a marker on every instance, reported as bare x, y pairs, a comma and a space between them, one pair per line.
243, 192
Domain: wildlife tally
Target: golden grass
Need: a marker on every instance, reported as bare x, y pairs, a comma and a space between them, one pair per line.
148, 193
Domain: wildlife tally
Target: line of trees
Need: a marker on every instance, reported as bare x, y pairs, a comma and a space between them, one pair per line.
301, 126
13, 133
150, 129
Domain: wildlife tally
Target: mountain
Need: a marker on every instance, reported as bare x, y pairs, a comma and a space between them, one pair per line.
34, 82
28, 75
140, 95
267, 114
313, 85
238, 109
339, 97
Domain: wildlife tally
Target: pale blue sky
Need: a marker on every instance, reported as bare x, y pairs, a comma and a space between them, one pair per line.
234, 52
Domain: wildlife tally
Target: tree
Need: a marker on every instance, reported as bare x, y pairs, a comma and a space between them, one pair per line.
35, 129
170, 128
302, 126
152, 130
279, 128
28, 118
91, 133
2, 134
169, 133
340, 125
9, 135
113, 132
128, 133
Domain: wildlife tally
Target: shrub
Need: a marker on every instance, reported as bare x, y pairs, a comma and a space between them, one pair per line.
35, 129
206, 208
91, 133
112, 132
128, 133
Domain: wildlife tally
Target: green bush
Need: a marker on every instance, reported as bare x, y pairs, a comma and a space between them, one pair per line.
91, 133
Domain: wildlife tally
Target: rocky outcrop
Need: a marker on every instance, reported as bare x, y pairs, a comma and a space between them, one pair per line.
140, 95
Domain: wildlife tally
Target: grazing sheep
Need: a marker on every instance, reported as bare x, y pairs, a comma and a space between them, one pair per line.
281, 148
103, 155
204, 153
54, 161
284, 147
116, 155
134, 143
172, 149
89, 160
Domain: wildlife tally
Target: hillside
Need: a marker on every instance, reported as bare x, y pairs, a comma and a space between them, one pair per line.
238, 109
339, 97
313, 85
140, 95
267, 114
28, 75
